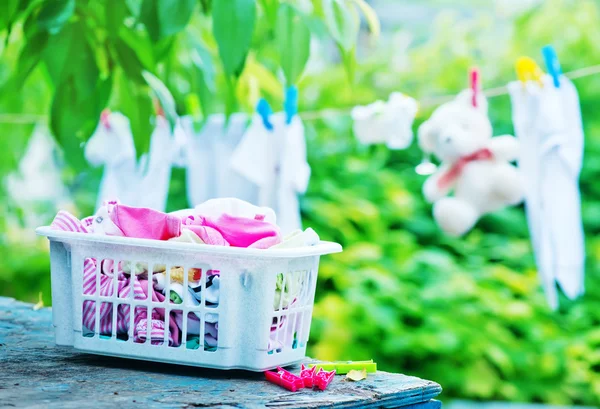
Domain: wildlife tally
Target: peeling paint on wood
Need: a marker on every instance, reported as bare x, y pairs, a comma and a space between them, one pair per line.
35, 373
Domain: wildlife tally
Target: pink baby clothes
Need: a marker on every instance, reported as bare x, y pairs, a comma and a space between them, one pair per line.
244, 232
67, 222
140, 291
144, 223
106, 289
207, 234
157, 332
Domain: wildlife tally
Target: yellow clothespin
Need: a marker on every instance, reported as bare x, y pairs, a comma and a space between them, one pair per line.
527, 69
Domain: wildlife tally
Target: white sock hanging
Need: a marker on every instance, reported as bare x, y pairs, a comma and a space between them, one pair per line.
547, 121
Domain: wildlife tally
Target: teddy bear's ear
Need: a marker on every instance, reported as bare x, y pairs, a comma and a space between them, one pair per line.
426, 135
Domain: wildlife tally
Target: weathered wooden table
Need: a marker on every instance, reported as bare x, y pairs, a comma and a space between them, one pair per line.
35, 373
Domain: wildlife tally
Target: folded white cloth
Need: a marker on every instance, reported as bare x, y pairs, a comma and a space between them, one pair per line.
298, 238
548, 124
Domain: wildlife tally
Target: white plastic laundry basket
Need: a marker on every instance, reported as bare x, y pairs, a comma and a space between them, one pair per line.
262, 314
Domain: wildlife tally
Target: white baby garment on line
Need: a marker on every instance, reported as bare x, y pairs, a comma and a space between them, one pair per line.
143, 184
386, 122
548, 124
208, 155
275, 161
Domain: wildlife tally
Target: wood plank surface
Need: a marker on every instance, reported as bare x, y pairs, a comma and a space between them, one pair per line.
35, 373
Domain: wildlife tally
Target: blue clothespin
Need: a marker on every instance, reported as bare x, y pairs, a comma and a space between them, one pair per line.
264, 110
291, 103
552, 64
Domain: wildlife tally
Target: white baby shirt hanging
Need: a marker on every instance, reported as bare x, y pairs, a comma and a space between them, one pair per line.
547, 121
386, 122
208, 155
112, 145
143, 184
275, 161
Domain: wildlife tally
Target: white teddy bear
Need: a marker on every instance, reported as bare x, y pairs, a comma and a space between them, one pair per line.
474, 165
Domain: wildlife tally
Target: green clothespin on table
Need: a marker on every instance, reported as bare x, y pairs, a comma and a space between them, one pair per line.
343, 367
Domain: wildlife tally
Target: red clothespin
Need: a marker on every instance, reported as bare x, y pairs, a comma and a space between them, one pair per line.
285, 379
158, 108
104, 118
322, 379
307, 375
474, 83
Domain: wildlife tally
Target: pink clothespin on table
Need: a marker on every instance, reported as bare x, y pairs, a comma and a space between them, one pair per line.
307, 375
285, 379
322, 379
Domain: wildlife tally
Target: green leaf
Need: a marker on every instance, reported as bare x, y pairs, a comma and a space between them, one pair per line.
163, 48
164, 18
135, 103
202, 60
69, 55
8, 11
30, 24
233, 25
370, 16
349, 59
207, 98
206, 6
293, 40
174, 15
141, 45
270, 8
55, 13
116, 11
140, 113
164, 97
230, 96
29, 58
131, 64
74, 115
134, 6
201, 76
149, 17
342, 21
80, 94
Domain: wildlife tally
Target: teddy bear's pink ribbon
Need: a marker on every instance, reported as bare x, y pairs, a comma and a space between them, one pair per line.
454, 172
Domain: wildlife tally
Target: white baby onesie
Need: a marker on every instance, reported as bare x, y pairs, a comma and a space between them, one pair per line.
208, 157
386, 122
143, 184
275, 161
548, 123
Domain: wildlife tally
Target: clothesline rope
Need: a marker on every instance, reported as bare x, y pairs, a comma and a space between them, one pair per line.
440, 99
332, 112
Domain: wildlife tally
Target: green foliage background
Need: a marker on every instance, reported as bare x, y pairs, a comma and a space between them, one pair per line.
468, 313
